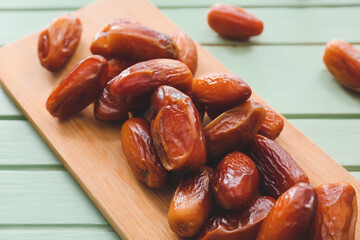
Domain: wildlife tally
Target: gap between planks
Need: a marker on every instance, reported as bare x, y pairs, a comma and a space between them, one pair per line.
28, 167
12, 117
246, 44
56, 226
321, 116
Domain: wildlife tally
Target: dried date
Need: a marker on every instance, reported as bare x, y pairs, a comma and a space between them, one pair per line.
187, 50
273, 124
132, 40
58, 42
343, 61
277, 169
237, 225
221, 91
133, 87
191, 204
233, 129
106, 109
236, 181
140, 153
116, 66
336, 213
177, 130
234, 22
291, 216
78, 88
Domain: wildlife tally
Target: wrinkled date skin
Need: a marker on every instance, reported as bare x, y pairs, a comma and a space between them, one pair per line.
99, 45
106, 109
133, 87
116, 66
177, 130
343, 61
236, 181
58, 42
277, 169
220, 90
336, 213
239, 224
128, 39
192, 204
140, 153
291, 216
273, 124
233, 129
78, 88
187, 50
234, 22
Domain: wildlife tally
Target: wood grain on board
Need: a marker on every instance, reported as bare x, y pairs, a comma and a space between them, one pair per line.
91, 151
297, 68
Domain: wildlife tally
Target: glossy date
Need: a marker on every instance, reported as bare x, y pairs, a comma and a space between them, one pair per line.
336, 213
106, 109
128, 39
177, 130
236, 181
291, 216
58, 42
133, 87
78, 88
140, 152
233, 129
343, 61
187, 50
273, 124
221, 91
235, 225
191, 204
234, 22
277, 169
116, 66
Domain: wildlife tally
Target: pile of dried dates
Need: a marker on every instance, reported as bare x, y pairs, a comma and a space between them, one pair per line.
234, 180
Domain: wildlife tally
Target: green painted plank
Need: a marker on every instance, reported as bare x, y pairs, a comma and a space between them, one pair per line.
255, 3
282, 25
18, 24
44, 197
41, 4
21, 145
7, 107
58, 234
355, 174
71, 4
278, 73
22, 149
293, 79
338, 138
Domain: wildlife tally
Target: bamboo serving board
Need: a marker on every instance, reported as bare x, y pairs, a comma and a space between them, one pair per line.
91, 151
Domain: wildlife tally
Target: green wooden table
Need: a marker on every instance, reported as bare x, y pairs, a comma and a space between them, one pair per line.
40, 200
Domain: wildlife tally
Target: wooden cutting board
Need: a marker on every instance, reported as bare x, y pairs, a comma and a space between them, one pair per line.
91, 151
